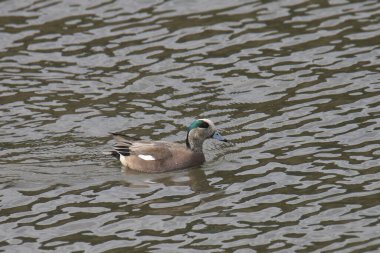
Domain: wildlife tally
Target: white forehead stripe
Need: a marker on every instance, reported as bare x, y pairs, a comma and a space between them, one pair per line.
147, 157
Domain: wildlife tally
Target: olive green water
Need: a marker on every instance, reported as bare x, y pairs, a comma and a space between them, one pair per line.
295, 86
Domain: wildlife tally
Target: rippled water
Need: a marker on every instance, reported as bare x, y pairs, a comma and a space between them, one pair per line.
295, 85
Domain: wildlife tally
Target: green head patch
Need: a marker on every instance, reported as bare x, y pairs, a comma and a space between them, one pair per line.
198, 123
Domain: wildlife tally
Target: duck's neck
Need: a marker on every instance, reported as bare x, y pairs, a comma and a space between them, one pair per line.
195, 145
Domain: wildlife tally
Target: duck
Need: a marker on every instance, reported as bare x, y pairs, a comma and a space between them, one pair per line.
162, 156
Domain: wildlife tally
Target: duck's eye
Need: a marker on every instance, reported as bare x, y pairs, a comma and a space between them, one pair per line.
198, 123
204, 124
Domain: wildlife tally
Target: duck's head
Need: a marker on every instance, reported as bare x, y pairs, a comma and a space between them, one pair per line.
199, 131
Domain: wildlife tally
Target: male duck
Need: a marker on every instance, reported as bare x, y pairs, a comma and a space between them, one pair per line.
160, 156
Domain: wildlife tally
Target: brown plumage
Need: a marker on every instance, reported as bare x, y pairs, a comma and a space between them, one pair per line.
160, 156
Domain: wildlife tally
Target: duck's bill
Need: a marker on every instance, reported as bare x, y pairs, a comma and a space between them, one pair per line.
219, 137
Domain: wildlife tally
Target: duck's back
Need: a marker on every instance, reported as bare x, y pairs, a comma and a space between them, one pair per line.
161, 156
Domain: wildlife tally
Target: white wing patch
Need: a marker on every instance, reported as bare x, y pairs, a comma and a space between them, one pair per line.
147, 157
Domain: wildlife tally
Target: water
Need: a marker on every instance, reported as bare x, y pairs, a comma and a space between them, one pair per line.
295, 86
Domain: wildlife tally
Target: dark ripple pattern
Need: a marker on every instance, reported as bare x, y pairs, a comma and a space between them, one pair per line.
295, 85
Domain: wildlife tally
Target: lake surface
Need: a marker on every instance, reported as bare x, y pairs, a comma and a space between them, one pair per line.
294, 85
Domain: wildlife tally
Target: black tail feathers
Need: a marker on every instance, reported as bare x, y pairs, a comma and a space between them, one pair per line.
113, 153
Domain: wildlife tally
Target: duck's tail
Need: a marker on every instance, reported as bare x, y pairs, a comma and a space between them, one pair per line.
122, 146
114, 153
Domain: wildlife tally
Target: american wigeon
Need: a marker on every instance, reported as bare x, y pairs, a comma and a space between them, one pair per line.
160, 156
